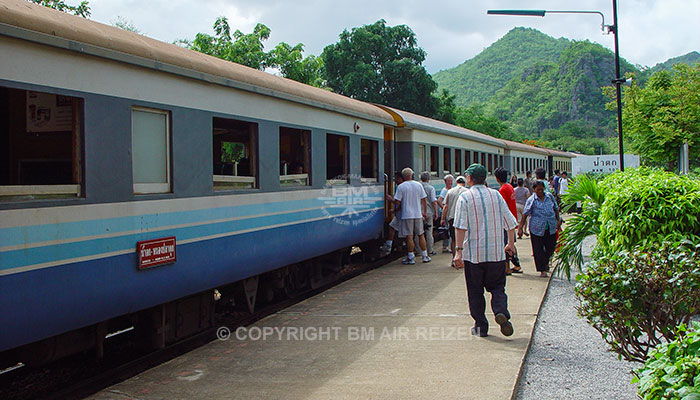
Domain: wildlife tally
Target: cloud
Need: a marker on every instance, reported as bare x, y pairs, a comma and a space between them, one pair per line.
450, 31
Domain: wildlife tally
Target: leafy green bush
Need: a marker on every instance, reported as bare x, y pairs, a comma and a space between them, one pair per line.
636, 299
647, 207
583, 189
673, 369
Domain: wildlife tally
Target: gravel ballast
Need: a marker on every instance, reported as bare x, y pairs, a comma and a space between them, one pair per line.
568, 359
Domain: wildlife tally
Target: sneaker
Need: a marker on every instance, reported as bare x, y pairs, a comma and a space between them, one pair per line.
427, 259
432, 253
506, 326
476, 331
384, 250
446, 250
408, 261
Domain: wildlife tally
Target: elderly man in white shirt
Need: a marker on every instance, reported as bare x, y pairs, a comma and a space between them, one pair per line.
411, 198
481, 216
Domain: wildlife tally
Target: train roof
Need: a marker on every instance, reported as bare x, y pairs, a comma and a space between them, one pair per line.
561, 153
410, 120
24, 20
511, 145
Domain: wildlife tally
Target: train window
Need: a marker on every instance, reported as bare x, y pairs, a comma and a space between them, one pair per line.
500, 161
150, 150
446, 161
489, 168
421, 158
235, 152
370, 160
295, 157
483, 160
458, 162
40, 145
468, 160
336, 159
434, 160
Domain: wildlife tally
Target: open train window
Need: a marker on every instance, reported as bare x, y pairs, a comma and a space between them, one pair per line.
150, 150
295, 157
468, 160
337, 159
40, 145
458, 162
235, 150
489, 168
370, 160
446, 160
483, 159
434, 160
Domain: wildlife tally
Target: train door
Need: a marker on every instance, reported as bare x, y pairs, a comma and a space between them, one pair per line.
389, 152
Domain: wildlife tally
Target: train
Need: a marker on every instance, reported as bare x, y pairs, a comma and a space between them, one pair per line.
142, 181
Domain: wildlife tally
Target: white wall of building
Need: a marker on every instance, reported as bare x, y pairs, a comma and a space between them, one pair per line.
603, 163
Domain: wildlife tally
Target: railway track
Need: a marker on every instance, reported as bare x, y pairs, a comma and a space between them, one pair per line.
81, 375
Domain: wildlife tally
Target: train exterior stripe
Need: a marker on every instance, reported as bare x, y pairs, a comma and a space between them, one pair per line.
111, 286
49, 244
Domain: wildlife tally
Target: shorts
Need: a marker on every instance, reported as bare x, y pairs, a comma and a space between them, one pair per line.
410, 227
521, 208
394, 224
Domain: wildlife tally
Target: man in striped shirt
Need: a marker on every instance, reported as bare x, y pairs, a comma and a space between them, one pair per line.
481, 216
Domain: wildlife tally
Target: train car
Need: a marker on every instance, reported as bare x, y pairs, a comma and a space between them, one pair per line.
425, 144
521, 158
559, 160
138, 176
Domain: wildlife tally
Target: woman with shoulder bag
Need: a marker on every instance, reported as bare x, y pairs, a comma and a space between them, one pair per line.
544, 221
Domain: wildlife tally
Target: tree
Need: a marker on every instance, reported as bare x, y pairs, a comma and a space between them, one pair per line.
292, 64
82, 9
664, 114
125, 24
381, 64
248, 49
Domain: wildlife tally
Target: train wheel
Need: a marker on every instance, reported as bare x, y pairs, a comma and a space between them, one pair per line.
245, 293
295, 280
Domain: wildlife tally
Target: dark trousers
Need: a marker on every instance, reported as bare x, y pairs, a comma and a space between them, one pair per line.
492, 277
543, 248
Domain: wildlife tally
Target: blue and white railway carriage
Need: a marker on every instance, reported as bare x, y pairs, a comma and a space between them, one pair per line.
425, 144
111, 139
521, 158
560, 160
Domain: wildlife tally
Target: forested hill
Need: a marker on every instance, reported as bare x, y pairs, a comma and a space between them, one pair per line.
477, 79
547, 95
691, 58
545, 89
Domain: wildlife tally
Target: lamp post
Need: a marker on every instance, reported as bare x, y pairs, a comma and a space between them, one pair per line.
618, 81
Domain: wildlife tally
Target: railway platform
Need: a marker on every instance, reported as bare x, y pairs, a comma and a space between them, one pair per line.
397, 332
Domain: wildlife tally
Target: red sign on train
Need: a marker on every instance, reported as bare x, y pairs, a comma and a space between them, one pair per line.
156, 252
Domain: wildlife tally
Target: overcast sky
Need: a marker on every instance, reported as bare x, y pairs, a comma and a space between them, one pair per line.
651, 31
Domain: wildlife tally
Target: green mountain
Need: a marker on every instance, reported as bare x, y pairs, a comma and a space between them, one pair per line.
545, 89
691, 58
477, 79
547, 95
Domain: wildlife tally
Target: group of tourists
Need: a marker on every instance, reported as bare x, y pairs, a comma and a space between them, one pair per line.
482, 224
